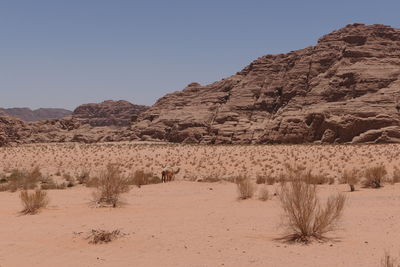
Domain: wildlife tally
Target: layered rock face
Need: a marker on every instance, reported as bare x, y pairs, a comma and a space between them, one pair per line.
26, 114
346, 88
88, 124
108, 113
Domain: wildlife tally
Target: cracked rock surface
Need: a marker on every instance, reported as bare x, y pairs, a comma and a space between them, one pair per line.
344, 89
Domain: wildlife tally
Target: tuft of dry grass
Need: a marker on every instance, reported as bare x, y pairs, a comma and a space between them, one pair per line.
310, 178
263, 193
374, 176
261, 179
103, 236
110, 185
389, 261
48, 183
141, 177
33, 202
22, 179
306, 218
396, 175
350, 177
83, 176
245, 187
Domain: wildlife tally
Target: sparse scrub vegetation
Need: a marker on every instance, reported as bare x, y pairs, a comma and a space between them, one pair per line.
48, 183
103, 236
21, 179
263, 193
374, 176
389, 261
396, 175
350, 177
310, 178
33, 201
306, 217
245, 187
261, 179
110, 185
83, 176
69, 179
141, 177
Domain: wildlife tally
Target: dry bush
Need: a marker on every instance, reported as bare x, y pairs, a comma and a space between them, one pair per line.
350, 177
111, 184
83, 176
261, 179
310, 178
396, 175
306, 218
23, 179
271, 180
389, 261
48, 183
245, 187
374, 176
140, 178
70, 180
103, 236
263, 193
34, 201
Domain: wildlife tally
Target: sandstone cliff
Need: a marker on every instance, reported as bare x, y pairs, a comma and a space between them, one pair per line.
344, 89
89, 123
108, 113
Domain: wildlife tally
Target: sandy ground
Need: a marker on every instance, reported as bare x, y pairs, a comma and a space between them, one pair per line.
185, 223
198, 161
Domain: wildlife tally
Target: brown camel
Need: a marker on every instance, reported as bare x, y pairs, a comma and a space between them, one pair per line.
167, 174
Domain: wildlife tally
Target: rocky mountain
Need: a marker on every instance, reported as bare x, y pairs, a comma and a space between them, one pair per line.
108, 113
89, 123
344, 89
26, 114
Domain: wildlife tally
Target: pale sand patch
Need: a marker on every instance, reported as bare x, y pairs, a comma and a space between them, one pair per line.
187, 224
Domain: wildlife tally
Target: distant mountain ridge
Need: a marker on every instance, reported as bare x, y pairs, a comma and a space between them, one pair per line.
29, 115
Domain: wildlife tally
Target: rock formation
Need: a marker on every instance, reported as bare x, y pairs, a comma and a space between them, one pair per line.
108, 113
89, 123
344, 89
26, 114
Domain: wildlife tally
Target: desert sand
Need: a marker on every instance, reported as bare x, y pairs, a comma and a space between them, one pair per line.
188, 223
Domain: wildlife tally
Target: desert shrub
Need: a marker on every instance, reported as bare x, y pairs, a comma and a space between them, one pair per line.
245, 187
92, 182
263, 193
83, 176
33, 202
270, 180
374, 176
305, 217
103, 236
23, 179
70, 180
389, 261
260, 179
350, 177
396, 175
3, 178
48, 183
310, 178
141, 177
110, 185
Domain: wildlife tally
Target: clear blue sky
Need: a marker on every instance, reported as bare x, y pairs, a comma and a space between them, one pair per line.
62, 53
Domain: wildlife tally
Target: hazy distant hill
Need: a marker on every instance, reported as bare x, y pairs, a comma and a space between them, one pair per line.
27, 114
